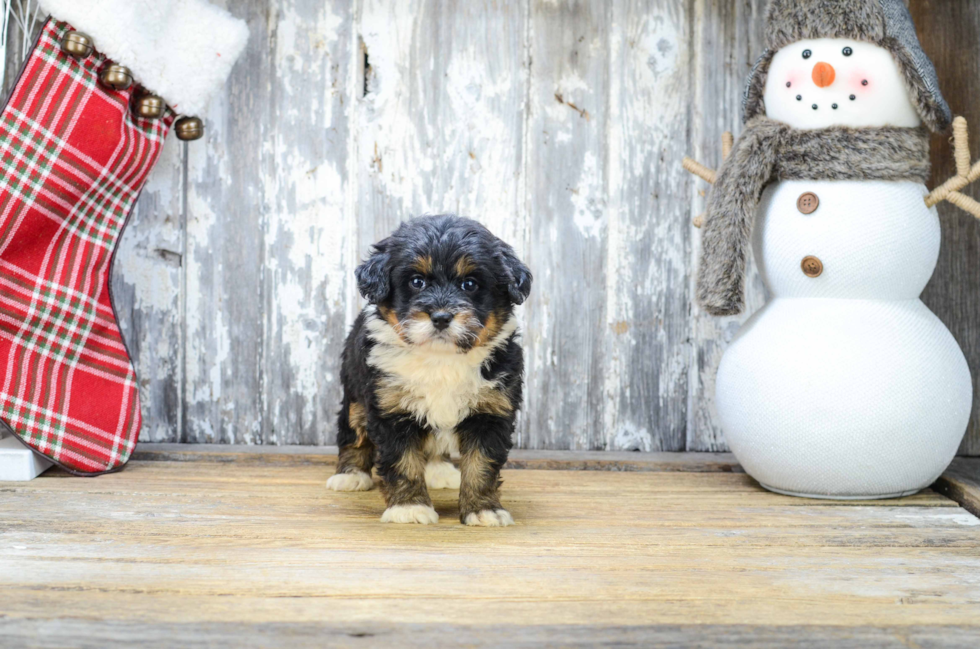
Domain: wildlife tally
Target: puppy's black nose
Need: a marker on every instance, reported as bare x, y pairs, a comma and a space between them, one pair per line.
441, 319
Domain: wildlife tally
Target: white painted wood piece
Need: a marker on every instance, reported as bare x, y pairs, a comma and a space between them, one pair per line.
17, 462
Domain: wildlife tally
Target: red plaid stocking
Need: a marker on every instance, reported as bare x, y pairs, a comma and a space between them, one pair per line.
74, 158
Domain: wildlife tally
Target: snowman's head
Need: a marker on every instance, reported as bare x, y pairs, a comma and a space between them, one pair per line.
854, 63
818, 83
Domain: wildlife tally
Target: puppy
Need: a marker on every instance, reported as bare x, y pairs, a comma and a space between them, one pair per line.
432, 367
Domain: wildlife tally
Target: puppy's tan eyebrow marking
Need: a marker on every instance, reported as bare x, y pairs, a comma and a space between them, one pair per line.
423, 265
464, 266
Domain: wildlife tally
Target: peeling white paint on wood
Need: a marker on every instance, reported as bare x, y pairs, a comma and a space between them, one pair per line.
727, 39
558, 123
147, 294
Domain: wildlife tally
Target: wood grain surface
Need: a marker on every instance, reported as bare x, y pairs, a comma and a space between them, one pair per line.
269, 554
559, 124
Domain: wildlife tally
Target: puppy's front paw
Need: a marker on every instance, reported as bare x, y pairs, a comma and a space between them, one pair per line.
489, 518
357, 481
421, 514
441, 475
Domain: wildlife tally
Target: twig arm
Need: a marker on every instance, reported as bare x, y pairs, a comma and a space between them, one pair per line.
965, 203
965, 174
727, 144
706, 174
699, 170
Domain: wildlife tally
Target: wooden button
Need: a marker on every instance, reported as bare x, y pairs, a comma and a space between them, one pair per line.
812, 267
808, 203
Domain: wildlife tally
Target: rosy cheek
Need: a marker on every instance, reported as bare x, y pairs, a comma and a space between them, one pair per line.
860, 82
795, 79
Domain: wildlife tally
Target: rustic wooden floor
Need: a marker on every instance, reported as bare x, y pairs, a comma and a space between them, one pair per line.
197, 549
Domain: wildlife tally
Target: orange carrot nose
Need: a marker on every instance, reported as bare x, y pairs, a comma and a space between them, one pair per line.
823, 74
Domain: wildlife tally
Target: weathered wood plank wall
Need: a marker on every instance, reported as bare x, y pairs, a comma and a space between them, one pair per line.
558, 123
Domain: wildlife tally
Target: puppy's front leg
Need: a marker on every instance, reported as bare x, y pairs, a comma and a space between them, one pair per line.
401, 463
484, 441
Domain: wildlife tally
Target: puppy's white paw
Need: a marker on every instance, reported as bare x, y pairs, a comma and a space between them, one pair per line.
489, 518
441, 475
421, 514
357, 481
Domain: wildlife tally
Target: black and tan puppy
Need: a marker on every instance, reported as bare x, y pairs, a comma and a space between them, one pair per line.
432, 367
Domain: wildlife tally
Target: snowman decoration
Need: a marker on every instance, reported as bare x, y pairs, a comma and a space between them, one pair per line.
845, 385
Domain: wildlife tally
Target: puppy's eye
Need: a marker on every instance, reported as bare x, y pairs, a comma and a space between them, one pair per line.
848, 51
469, 285
807, 54
418, 283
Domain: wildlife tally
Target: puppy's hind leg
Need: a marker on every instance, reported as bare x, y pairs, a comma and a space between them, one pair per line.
356, 451
441, 474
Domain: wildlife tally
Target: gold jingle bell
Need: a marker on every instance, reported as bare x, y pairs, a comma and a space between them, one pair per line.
117, 77
77, 44
149, 107
189, 128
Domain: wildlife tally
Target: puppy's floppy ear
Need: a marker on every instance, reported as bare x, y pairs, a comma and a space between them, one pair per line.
374, 275
516, 274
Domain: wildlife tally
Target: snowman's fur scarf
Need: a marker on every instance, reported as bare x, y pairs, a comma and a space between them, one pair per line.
789, 21
769, 150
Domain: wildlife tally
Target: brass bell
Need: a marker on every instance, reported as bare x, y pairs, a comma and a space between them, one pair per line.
189, 128
149, 107
117, 77
77, 44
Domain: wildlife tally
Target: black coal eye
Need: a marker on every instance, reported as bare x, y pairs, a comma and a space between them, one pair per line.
418, 283
848, 51
469, 285
807, 54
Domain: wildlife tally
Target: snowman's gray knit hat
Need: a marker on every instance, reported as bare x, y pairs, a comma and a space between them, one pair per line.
883, 22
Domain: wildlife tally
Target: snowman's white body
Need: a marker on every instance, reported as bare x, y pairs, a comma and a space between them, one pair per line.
844, 385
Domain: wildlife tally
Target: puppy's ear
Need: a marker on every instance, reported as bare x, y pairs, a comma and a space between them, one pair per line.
374, 275
516, 274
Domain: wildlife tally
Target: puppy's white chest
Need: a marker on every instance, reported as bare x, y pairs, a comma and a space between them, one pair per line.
438, 388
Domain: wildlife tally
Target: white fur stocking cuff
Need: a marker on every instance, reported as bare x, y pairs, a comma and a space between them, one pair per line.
182, 50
